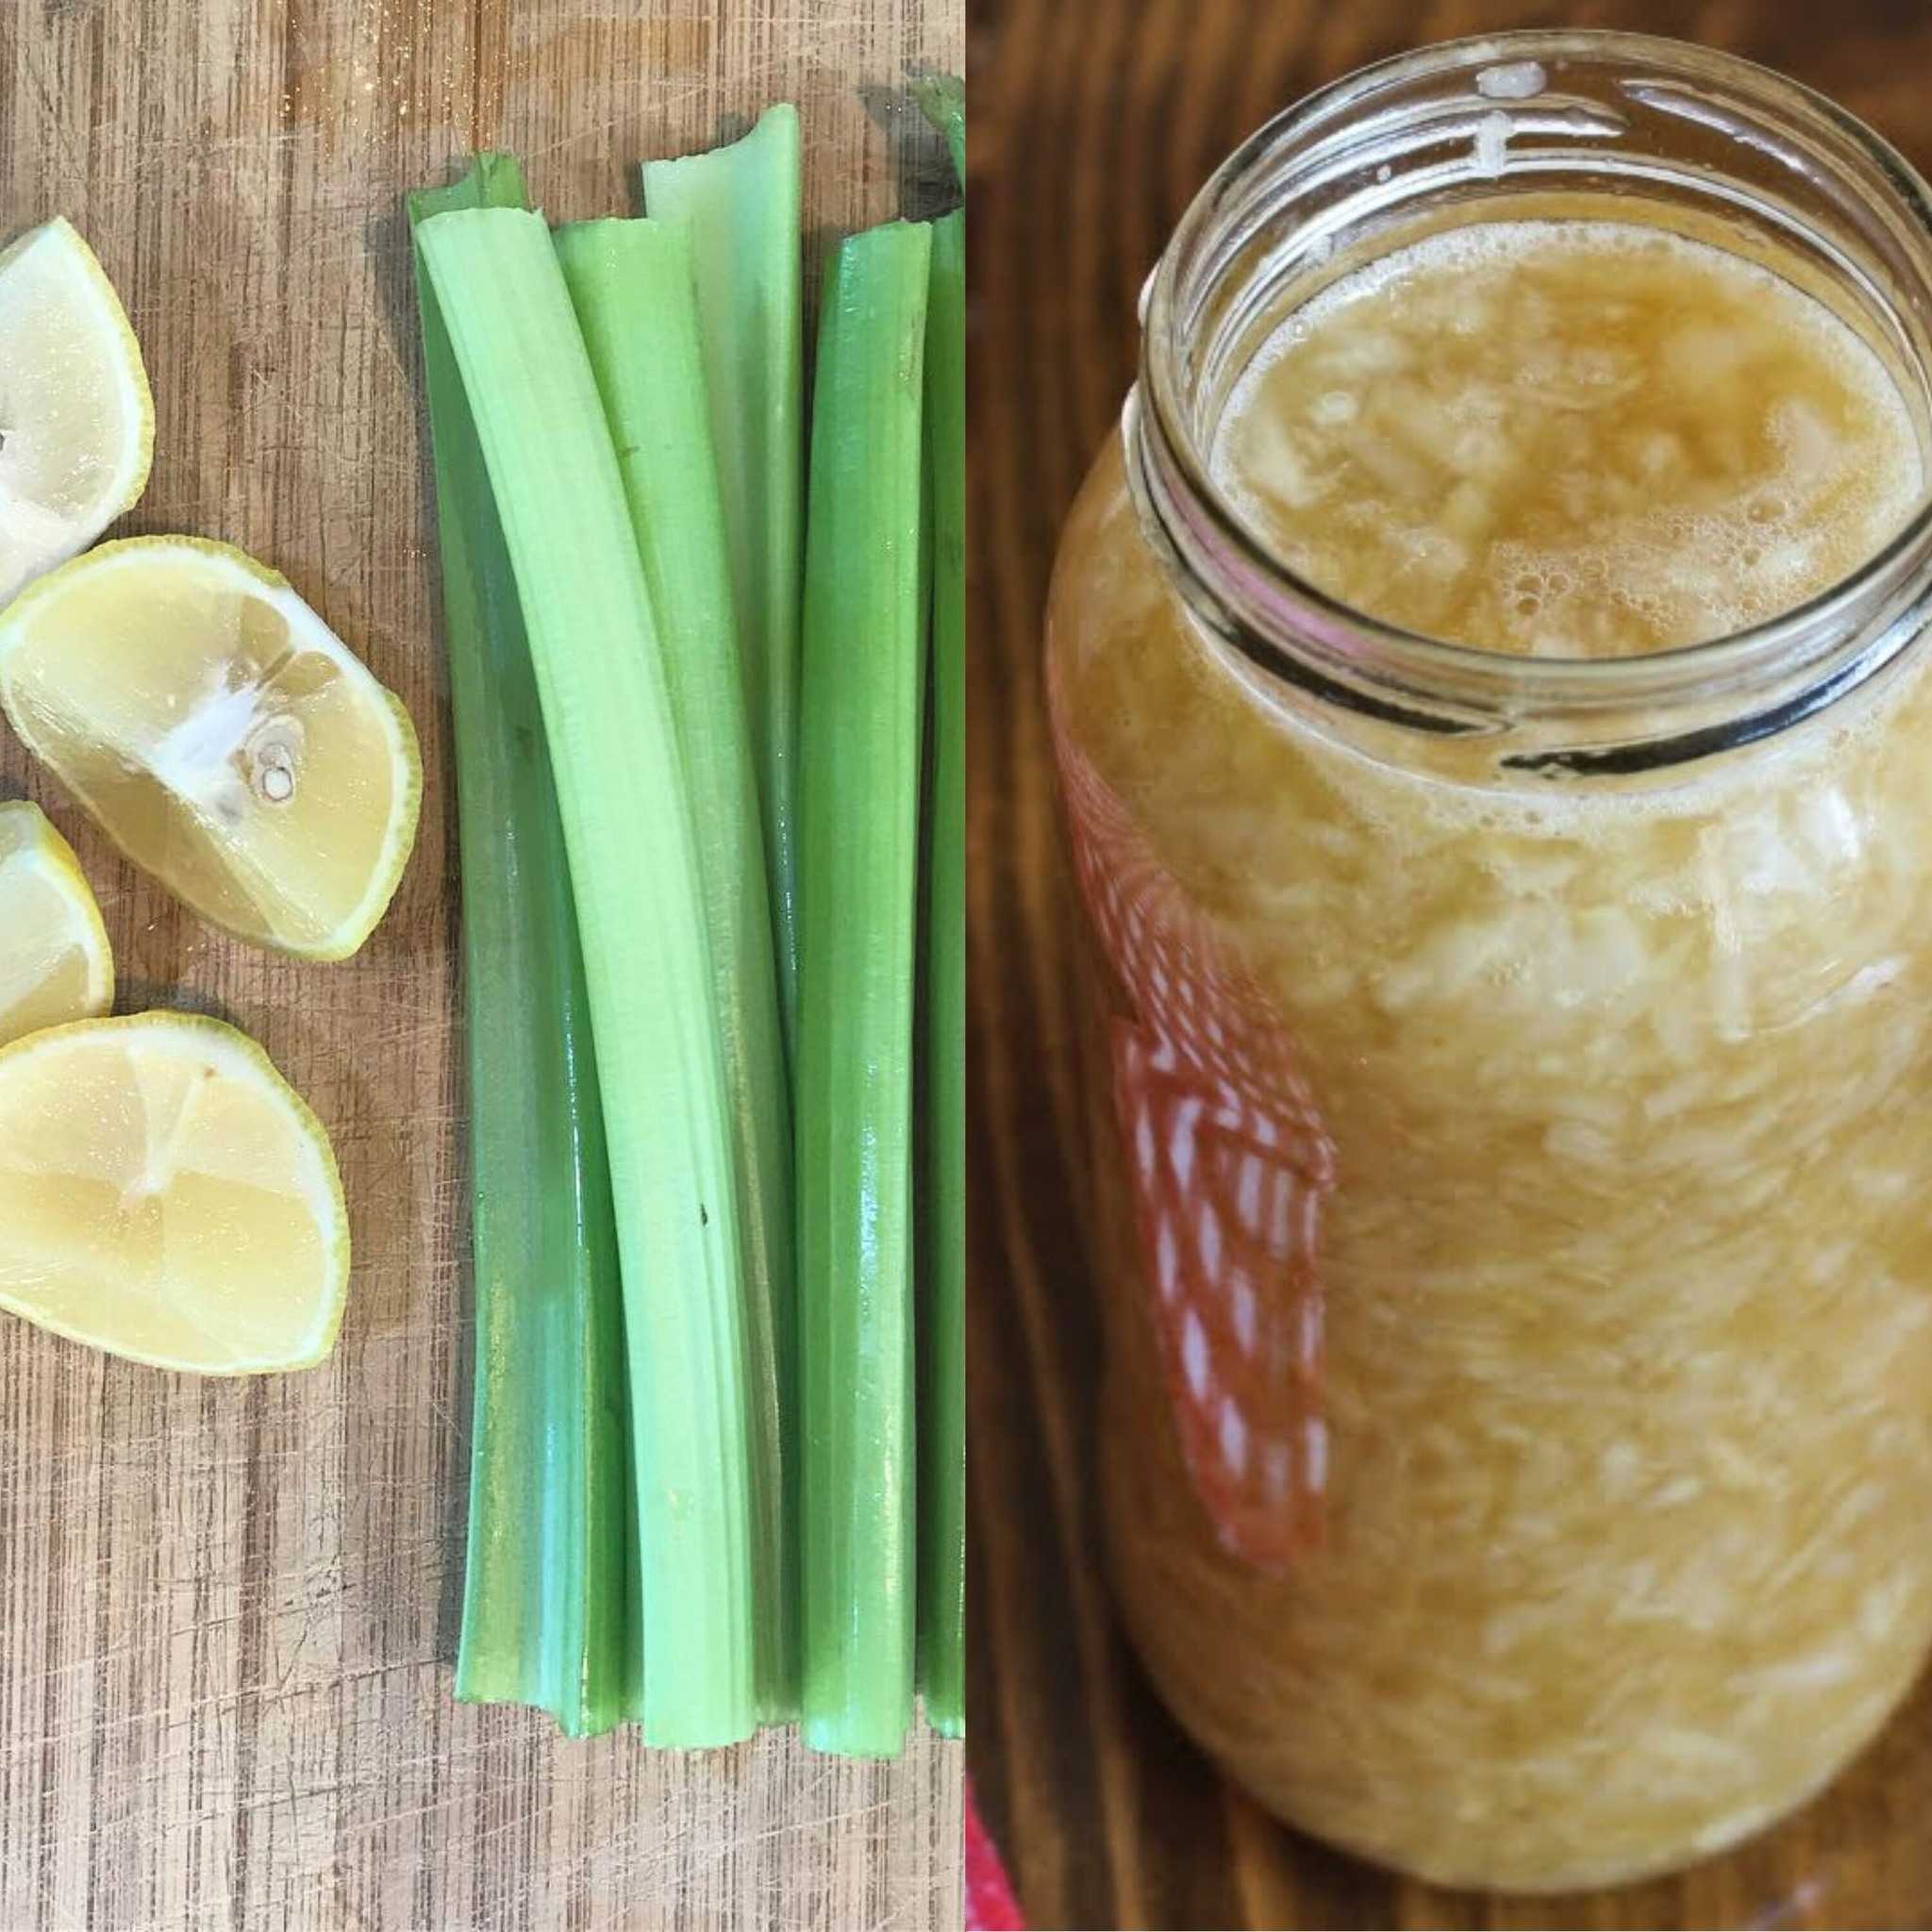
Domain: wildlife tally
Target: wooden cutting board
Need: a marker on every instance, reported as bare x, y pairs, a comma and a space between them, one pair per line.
227, 1610
1095, 121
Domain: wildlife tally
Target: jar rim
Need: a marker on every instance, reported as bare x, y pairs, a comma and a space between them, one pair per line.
1287, 625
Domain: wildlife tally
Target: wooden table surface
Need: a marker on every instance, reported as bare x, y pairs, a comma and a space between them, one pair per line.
1094, 122
227, 1609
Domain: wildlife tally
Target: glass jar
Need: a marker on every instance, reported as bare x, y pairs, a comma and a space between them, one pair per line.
1518, 1422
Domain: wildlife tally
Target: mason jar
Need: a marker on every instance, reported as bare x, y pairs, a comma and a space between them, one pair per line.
1517, 1433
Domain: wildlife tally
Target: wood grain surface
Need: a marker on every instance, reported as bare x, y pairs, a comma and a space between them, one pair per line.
226, 1610
1094, 122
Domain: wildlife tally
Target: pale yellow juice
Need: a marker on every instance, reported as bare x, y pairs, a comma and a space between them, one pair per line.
1620, 1093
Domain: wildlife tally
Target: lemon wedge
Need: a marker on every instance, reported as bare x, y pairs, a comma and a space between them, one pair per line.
77, 418
55, 962
166, 1196
220, 735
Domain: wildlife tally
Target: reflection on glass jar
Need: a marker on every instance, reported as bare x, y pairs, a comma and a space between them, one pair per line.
1519, 1419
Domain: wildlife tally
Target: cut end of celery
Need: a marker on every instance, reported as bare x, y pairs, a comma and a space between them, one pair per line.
776, 134
844, 1737
942, 101
574, 1717
490, 180
667, 1733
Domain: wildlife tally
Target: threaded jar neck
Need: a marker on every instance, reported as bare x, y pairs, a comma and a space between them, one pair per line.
1496, 128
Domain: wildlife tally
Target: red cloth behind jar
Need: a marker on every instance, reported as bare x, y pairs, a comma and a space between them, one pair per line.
1230, 1165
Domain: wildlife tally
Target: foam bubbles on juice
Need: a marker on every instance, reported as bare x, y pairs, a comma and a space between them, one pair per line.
1570, 439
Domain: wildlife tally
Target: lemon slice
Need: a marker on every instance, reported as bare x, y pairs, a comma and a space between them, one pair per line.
166, 1195
76, 420
220, 735
54, 963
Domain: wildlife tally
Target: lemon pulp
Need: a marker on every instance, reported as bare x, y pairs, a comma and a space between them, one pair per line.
166, 1196
55, 962
76, 418
221, 734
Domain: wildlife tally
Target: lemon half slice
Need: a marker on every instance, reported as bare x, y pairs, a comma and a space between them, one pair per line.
220, 735
166, 1195
77, 418
55, 961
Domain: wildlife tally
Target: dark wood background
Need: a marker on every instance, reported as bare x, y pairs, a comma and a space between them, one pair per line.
1094, 122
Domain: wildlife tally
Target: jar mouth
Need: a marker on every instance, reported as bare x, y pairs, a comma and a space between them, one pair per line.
1649, 116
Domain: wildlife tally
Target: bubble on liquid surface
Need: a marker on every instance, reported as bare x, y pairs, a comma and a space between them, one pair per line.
1484, 451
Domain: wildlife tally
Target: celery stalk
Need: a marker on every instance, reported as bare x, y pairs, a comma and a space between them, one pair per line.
942, 1199
858, 852
634, 869
743, 204
549, 1600
632, 285
942, 101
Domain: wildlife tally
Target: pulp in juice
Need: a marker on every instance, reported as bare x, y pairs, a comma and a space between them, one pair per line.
1570, 439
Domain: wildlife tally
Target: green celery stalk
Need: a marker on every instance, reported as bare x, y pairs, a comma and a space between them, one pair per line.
632, 285
858, 860
743, 203
942, 1249
942, 101
550, 1612
633, 868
